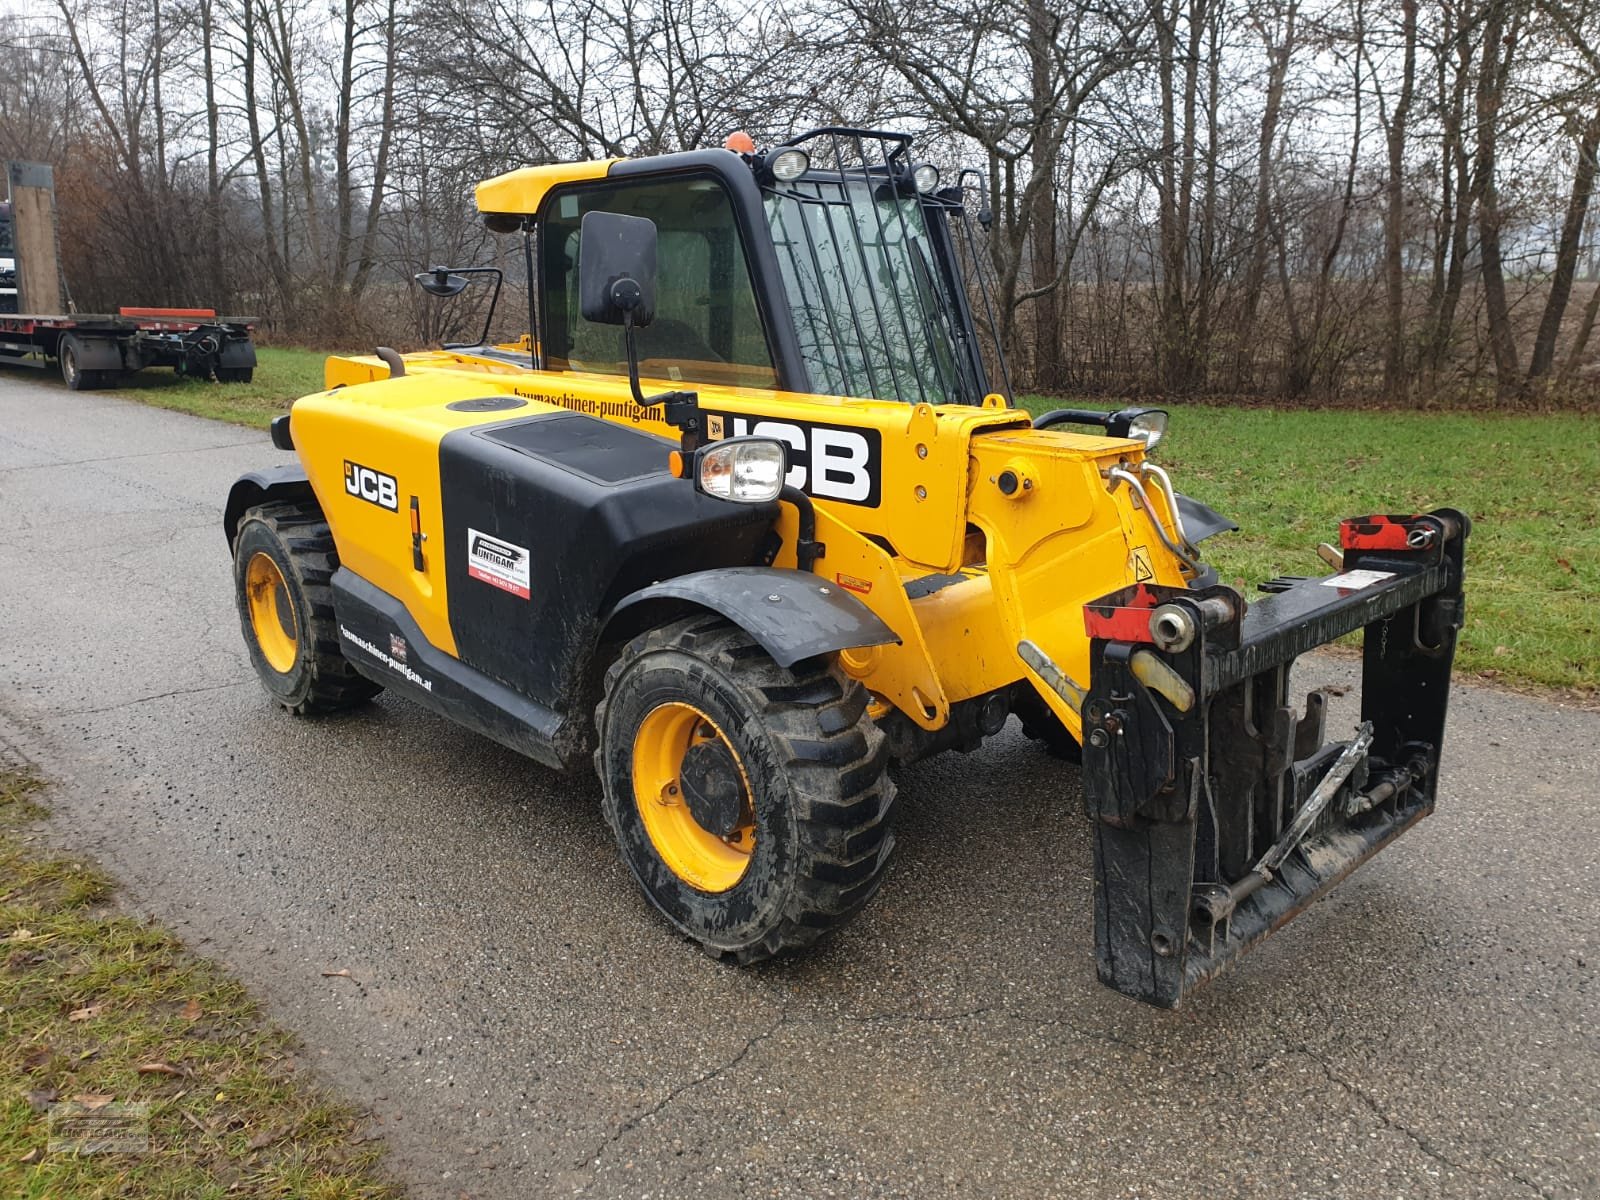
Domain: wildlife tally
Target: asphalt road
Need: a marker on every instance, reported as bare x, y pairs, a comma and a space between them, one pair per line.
522, 1024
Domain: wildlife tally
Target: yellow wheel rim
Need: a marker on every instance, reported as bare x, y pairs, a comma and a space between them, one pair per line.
706, 860
271, 613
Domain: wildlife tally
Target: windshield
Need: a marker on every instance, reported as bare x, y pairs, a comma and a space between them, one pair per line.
5, 230
873, 313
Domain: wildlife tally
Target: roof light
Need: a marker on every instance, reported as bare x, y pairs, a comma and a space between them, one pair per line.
789, 164
926, 177
739, 142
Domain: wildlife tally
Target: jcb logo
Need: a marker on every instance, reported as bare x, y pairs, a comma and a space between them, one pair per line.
372, 486
831, 462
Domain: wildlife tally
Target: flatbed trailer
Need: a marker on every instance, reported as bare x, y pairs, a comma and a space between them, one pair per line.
97, 350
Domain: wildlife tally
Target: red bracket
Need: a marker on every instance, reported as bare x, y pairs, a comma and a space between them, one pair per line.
1378, 533
1129, 622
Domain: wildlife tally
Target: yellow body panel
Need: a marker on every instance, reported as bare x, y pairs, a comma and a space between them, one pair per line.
394, 428
523, 190
1061, 538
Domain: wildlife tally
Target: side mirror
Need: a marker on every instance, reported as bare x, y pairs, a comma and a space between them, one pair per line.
441, 282
617, 269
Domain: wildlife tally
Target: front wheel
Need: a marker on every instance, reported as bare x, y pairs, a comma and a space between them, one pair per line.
750, 801
283, 560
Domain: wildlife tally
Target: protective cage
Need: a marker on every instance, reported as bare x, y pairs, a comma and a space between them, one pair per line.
1220, 813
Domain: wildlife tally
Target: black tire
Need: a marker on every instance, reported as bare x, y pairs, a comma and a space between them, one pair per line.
1043, 726
68, 356
819, 798
296, 539
235, 374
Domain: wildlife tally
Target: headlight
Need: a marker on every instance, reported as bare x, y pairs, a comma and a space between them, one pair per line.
926, 177
1148, 425
788, 165
747, 469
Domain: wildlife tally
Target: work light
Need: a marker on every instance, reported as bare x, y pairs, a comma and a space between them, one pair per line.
747, 469
788, 165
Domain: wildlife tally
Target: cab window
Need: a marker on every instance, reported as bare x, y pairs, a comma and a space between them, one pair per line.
707, 328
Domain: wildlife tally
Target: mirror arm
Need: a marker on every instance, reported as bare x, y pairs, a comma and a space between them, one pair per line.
679, 409
494, 300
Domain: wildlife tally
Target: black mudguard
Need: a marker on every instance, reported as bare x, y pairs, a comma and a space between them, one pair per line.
1201, 521
287, 482
794, 615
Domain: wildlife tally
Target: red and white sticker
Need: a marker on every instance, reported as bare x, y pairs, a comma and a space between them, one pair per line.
854, 583
497, 562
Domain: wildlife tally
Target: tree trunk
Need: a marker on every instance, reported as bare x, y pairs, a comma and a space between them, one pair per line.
1491, 91
1394, 364
1047, 373
1260, 242
1544, 346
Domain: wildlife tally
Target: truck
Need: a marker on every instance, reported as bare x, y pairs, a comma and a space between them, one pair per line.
749, 515
39, 325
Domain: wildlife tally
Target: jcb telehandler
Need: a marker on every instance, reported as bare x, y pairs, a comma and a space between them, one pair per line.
843, 547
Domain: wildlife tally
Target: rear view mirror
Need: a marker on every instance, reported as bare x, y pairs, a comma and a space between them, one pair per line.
440, 281
617, 269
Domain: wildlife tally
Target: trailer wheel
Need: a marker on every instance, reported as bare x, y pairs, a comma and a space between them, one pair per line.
751, 802
69, 353
283, 559
235, 374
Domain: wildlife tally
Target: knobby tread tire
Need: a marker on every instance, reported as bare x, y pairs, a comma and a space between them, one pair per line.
322, 679
817, 765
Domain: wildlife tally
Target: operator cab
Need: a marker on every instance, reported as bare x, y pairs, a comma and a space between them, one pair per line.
828, 265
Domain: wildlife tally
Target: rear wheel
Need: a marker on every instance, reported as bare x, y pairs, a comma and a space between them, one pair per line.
235, 374
69, 357
283, 559
750, 801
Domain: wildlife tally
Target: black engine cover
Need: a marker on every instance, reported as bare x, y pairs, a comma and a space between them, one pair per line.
549, 521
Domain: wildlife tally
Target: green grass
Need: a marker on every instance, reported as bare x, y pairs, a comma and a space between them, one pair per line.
100, 1010
282, 376
1531, 485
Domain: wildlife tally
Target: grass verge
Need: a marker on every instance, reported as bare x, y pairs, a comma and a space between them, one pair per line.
1527, 482
282, 376
113, 1031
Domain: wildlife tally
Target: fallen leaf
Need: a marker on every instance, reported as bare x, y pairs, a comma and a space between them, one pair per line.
1501, 651
1566, 566
86, 1012
37, 1058
42, 1098
341, 973
91, 1100
161, 1068
19, 935
266, 1137
30, 1156
191, 1011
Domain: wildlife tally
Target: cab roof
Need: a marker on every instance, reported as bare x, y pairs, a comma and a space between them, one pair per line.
523, 190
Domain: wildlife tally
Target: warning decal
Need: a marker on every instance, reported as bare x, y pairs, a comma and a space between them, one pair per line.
1143, 571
